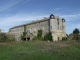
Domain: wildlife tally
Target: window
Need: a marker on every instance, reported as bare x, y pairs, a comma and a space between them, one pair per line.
50, 27
57, 21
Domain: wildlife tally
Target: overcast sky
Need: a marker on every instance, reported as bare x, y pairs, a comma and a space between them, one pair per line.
17, 12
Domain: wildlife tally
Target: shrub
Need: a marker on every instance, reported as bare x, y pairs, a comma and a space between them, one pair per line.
48, 36
22, 36
39, 35
24, 33
73, 38
6, 38
64, 38
35, 38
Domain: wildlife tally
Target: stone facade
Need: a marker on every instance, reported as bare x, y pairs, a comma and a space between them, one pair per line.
53, 24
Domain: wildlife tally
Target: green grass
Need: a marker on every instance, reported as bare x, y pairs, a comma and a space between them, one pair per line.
39, 51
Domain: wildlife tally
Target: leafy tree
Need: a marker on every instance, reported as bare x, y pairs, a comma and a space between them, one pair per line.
76, 34
76, 31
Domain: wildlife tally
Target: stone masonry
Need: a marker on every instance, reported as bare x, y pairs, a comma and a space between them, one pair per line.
53, 24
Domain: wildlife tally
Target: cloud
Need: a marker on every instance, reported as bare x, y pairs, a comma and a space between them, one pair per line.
10, 20
57, 9
71, 17
18, 19
22, 18
78, 26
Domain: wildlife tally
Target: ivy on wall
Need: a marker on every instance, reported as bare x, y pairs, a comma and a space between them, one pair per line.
24, 33
24, 28
48, 36
39, 35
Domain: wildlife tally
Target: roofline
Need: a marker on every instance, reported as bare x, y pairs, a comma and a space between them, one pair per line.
33, 22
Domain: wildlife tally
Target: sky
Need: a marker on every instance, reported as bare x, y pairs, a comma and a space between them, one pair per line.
18, 12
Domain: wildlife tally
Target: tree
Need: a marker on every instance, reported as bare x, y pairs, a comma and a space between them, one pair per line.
76, 34
76, 31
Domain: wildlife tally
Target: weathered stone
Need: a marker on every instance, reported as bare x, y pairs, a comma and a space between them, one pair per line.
54, 24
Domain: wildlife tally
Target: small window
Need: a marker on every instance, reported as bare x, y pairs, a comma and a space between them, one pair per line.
50, 27
57, 21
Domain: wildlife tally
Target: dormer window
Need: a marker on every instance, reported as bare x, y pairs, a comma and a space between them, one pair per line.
52, 16
63, 20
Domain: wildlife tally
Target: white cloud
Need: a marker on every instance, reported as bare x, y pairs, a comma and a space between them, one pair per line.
10, 20
22, 18
78, 26
57, 9
71, 17
18, 19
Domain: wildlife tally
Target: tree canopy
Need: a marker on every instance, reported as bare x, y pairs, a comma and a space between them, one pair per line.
76, 31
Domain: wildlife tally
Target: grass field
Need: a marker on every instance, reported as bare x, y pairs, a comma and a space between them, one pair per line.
40, 50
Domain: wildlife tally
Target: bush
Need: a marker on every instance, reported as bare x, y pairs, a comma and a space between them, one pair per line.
22, 36
48, 36
64, 38
6, 38
35, 38
39, 35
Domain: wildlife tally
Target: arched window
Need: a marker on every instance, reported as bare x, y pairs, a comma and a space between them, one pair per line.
57, 21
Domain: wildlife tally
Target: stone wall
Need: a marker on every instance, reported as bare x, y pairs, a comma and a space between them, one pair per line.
58, 28
55, 25
33, 28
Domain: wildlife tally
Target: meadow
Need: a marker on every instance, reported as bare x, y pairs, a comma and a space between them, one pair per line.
40, 50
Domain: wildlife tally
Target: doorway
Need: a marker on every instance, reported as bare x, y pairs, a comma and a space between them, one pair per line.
28, 38
58, 38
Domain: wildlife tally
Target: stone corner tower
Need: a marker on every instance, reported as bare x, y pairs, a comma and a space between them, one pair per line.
57, 27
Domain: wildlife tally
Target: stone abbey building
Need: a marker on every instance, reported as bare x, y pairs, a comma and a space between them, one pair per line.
53, 24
